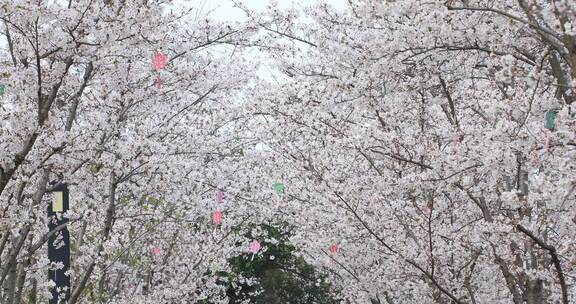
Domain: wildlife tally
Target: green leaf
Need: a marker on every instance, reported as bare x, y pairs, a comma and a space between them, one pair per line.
285, 278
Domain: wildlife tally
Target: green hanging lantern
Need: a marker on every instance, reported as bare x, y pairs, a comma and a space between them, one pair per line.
2, 87
279, 188
550, 115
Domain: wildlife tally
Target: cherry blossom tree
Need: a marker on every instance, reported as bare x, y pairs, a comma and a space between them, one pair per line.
419, 151
142, 149
433, 142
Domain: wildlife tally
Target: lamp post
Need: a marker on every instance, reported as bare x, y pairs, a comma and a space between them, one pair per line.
59, 245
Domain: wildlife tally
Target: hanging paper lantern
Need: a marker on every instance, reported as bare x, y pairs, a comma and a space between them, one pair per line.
217, 218
219, 197
550, 115
254, 246
156, 251
278, 187
333, 248
158, 61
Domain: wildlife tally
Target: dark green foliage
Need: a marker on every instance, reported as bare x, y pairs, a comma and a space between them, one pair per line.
285, 278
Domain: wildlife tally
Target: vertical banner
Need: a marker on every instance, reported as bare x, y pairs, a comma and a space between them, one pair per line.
59, 245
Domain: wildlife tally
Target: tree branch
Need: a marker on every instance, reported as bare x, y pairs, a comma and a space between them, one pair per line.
409, 261
552, 251
10, 43
76, 97
505, 14
450, 101
400, 158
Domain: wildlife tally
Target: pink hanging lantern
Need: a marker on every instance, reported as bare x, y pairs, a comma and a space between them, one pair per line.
254, 246
217, 218
333, 248
159, 61
219, 197
156, 251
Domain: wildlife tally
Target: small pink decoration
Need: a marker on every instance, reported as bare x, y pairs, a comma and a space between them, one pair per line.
426, 209
156, 251
219, 197
217, 218
254, 246
158, 61
333, 248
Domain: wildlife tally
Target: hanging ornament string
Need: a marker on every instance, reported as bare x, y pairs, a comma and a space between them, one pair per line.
547, 141
158, 63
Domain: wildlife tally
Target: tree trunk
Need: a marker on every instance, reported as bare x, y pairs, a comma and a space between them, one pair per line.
10, 289
22, 274
534, 292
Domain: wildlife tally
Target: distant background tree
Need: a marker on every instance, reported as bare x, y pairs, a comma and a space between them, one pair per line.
278, 274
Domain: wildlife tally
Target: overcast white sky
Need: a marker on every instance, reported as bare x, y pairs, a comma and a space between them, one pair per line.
224, 9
